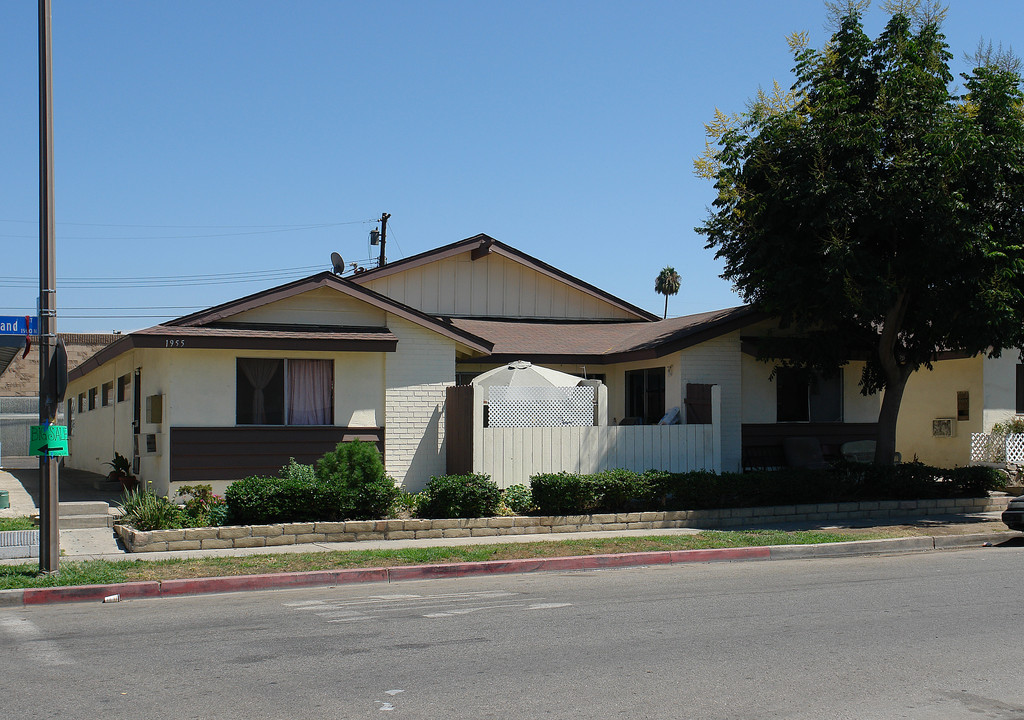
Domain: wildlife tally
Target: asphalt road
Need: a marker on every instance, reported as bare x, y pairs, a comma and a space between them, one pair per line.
914, 636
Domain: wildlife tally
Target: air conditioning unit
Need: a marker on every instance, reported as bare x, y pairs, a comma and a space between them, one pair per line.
944, 427
152, 444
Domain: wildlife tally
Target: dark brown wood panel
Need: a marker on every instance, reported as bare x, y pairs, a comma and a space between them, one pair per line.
762, 442
203, 454
458, 430
698, 404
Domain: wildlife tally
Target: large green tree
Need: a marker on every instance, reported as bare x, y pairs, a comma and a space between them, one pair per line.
876, 208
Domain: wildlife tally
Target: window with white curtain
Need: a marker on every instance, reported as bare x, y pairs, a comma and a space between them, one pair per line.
272, 391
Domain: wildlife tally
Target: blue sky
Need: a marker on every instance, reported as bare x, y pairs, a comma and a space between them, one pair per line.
248, 140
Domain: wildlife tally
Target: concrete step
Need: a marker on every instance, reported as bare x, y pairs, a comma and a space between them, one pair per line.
67, 509
77, 522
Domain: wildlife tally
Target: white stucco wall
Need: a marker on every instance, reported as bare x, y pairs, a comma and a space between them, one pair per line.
97, 434
718, 362
1000, 393
416, 378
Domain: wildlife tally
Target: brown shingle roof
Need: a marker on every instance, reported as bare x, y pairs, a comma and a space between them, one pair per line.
603, 342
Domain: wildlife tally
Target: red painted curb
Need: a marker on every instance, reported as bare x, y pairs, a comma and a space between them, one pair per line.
721, 554
81, 593
269, 581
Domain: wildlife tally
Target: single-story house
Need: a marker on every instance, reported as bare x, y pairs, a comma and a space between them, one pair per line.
239, 388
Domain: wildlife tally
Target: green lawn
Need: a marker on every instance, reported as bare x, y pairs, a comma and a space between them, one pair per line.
17, 523
103, 572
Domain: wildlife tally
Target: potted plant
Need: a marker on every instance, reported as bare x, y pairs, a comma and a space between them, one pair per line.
121, 471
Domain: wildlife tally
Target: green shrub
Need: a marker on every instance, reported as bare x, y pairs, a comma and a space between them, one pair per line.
1011, 426
298, 472
459, 496
518, 499
353, 463
146, 511
265, 500
623, 491
976, 481
406, 503
563, 494
352, 483
202, 507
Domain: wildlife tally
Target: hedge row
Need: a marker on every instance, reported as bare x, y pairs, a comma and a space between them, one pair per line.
625, 491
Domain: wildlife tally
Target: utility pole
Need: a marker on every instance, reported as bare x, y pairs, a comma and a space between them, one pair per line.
383, 237
49, 537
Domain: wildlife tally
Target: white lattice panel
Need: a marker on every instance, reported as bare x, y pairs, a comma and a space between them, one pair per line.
987, 448
540, 406
1015, 449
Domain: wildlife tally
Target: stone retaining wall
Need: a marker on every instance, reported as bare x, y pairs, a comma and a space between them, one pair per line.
249, 536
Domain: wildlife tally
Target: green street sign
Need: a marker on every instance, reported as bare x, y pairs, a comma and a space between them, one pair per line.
48, 440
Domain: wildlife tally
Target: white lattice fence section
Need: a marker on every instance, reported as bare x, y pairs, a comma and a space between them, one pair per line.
989, 448
511, 455
530, 407
1015, 449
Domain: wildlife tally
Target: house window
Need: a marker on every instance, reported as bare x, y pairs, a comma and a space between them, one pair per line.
645, 395
81, 402
123, 383
272, 391
92, 398
107, 393
804, 396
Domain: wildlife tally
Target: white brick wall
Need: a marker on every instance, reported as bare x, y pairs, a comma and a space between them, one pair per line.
416, 376
718, 361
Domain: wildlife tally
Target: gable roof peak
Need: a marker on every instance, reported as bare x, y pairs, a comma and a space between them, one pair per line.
481, 245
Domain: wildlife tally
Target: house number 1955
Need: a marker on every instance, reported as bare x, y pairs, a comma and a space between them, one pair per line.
175, 342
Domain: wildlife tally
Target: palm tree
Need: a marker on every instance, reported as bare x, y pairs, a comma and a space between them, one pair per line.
667, 283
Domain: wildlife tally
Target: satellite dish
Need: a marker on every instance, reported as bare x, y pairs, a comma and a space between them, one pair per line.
338, 263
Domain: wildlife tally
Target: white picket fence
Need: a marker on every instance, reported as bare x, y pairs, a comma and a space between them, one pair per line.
512, 455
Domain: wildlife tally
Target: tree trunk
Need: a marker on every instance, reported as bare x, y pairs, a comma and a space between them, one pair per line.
896, 376
885, 445
665, 316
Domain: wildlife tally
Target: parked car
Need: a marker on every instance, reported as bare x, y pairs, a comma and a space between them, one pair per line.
1013, 515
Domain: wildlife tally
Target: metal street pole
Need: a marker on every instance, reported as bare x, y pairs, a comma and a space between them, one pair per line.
49, 537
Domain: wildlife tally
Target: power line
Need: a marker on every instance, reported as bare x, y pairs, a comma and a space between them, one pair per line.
222, 227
